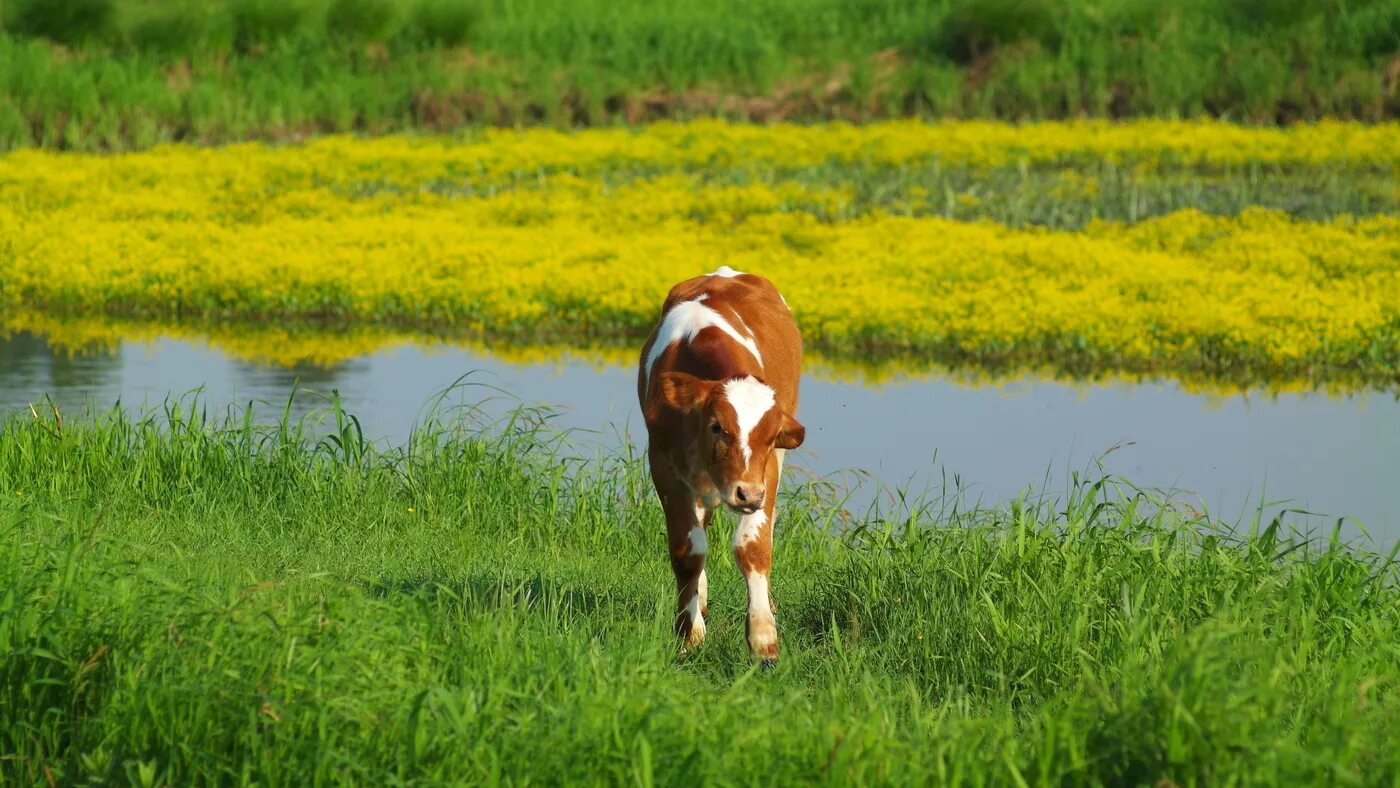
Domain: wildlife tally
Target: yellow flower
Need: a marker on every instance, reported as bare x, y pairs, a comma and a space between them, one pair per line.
576, 237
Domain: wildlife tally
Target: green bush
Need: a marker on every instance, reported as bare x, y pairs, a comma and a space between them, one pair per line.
361, 20
259, 22
175, 30
445, 22
65, 21
1374, 28
1248, 14
970, 29
264, 67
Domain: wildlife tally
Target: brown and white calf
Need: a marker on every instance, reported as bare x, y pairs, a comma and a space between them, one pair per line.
718, 388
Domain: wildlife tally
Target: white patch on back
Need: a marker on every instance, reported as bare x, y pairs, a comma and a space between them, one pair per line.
699, 544
751, 400
750, 526
726, 272
689, 318
742, 324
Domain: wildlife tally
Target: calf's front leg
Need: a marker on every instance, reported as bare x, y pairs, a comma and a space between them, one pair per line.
753, 552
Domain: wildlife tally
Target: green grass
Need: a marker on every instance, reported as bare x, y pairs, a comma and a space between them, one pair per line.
190, 599
101, 74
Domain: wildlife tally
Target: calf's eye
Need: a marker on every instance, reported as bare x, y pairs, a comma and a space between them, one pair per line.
715, 428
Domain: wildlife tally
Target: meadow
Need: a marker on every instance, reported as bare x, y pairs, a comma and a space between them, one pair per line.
123, 74
1199, 191
1195, 249
194, 598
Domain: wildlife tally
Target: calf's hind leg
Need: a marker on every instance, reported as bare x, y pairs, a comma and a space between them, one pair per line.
688, 546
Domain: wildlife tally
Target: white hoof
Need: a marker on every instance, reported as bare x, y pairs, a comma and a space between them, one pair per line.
697, 633
763, 636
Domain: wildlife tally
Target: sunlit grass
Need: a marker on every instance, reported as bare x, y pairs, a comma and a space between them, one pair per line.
190, 598
104, 75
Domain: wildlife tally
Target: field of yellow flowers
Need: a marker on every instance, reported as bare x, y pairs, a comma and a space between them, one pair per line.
887, 240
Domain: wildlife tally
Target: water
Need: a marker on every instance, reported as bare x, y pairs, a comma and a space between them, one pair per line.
1331, 456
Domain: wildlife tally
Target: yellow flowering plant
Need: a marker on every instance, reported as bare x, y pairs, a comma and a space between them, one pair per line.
526, 236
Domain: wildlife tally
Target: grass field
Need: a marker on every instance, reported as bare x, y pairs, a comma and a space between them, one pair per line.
191, 599
116, 74
197, 598
1203, 250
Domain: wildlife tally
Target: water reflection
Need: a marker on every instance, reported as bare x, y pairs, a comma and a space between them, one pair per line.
1335, 455
315, 377
29, 363
328, 345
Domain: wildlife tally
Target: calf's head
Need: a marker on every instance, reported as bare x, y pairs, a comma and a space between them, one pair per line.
730, 427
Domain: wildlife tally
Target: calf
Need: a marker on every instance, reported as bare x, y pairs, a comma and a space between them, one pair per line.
718, 388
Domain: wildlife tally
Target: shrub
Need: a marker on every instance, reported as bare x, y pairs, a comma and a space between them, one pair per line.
1373, 29
1253, 14
65, 21
361, 20
445, 22
264, 21
970, 29
179, 29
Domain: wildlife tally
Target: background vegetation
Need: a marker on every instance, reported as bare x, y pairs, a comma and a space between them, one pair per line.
191, 599
1083, 249
130, 73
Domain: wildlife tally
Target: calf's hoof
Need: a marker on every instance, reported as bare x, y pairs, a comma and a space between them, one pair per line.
697, 634
692, 633
763, 638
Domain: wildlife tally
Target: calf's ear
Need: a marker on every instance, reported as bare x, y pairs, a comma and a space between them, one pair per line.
682, 391
790, 434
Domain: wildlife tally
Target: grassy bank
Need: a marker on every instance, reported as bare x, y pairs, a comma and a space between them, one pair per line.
1137, 248
213, 601
107, 74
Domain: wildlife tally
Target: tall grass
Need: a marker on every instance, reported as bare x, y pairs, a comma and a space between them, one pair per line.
192, 597
92, 73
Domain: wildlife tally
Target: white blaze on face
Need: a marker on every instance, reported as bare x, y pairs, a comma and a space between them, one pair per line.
750, 400
726, 272
689, 318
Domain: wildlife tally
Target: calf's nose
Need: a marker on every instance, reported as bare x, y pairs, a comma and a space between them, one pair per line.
748, 496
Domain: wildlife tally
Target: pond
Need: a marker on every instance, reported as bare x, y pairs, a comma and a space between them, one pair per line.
1331, 455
